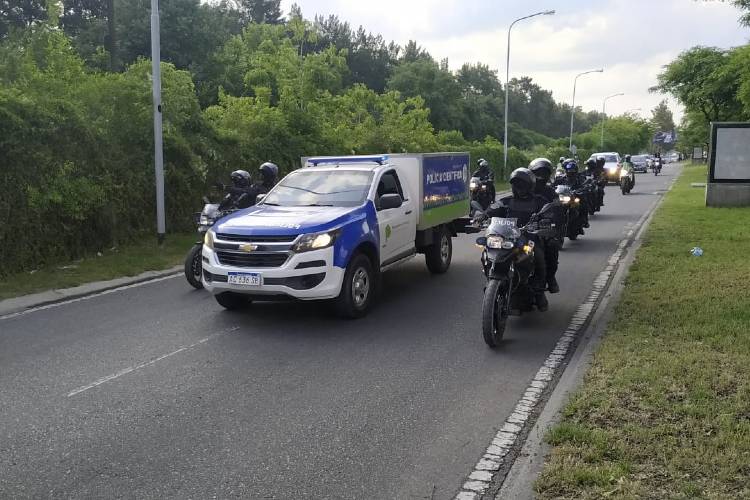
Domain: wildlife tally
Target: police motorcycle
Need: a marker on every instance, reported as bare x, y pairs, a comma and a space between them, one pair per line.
204, 219
571, 202
656, 165
627, 176
481, 191
508, 265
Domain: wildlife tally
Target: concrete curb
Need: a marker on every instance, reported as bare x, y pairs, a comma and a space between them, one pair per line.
19, 304
519, 483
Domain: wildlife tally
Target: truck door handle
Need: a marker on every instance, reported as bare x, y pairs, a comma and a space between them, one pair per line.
408, 212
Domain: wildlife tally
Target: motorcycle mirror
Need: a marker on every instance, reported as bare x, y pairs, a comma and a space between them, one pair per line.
482, 241
206, 200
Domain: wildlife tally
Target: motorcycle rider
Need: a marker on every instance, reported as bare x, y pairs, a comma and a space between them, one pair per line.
627, 166
575, 181
522, 205
601, 177
241, 193
485, 174
542, 170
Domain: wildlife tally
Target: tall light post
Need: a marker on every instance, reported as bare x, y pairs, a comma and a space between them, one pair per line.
573, 106
156, 91
507, 80
604, 110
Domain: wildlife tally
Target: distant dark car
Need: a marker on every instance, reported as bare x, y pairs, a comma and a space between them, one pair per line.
640, 163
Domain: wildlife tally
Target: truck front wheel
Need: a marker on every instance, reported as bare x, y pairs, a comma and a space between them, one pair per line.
438, 255
358, 288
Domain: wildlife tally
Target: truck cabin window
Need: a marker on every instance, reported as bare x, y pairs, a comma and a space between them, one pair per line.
311, 188
389, 184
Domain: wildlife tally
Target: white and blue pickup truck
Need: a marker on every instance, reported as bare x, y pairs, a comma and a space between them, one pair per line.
328, 229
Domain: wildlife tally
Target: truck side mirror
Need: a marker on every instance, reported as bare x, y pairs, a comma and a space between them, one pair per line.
389, 201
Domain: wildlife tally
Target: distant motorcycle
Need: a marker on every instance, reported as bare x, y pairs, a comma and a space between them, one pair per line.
656, 166
508, 264
627, 180
573, 225
481, 191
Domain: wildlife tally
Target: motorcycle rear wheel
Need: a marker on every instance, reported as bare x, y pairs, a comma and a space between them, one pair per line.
194, 267
495, 311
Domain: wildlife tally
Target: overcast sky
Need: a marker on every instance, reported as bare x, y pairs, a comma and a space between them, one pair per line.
630, 39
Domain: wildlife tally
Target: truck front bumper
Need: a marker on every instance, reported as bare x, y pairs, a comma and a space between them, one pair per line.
304, 276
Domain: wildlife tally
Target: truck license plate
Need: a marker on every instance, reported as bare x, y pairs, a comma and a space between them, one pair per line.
251, 279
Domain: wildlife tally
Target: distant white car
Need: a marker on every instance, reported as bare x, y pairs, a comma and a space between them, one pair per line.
673, 158
612, 165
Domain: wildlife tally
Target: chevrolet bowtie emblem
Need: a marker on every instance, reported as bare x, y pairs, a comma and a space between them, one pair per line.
248, 247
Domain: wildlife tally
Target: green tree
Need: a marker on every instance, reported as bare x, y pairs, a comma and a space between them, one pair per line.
700, 79
20, 14
662, 118
436, 85
259, 11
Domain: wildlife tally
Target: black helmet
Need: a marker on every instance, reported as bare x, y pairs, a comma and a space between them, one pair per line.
542, 168
562, 160
591, 163
600, 161
240, 178
570, 166
627, 158
482, 163
269, 172
522, 181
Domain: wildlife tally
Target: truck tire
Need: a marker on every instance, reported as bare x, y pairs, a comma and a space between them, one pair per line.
358, 289
438, 255
231, 301
194, 266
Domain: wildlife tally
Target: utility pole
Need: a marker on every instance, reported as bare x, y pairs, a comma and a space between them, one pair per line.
158, 148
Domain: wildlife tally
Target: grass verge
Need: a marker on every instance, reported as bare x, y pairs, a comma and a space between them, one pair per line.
128, 260
664, 411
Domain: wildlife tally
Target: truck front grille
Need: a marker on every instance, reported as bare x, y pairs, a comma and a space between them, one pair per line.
241, 238
253, 259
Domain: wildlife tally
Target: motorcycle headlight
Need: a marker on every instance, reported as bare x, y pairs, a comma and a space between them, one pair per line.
315, 241
208, 240
498, 242
205, 220
578, 200
565, 199
472, 185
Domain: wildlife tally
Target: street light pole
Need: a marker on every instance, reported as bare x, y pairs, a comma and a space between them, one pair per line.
507, 80
156, 91
573, 106
604, 108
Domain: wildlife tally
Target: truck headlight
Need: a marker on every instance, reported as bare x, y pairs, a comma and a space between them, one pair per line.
208, 240
315, 241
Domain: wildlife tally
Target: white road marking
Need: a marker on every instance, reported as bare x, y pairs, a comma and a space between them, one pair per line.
131, 369
484, 472
87, 297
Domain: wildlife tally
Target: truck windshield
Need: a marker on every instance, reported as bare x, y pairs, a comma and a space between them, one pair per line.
310, 188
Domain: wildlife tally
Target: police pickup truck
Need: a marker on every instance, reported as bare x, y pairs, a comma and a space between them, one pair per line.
328, 229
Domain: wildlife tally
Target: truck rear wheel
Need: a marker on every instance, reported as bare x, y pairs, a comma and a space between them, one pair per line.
358, 289
231, 300
438, 255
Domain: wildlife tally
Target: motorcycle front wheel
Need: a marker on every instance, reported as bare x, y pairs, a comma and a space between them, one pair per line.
495, 311
194, 267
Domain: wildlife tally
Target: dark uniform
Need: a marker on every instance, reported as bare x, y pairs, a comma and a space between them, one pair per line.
522, 205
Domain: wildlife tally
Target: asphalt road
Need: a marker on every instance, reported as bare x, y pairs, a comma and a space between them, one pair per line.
156, 391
